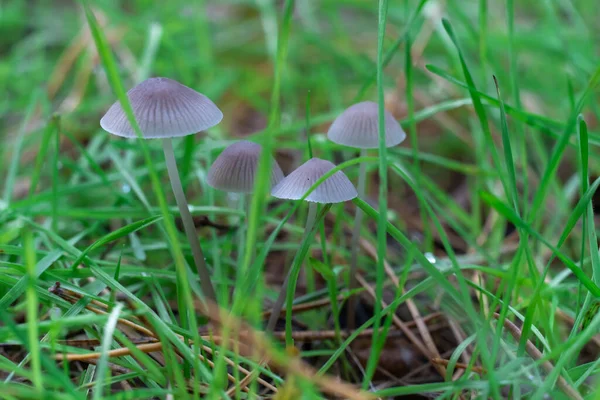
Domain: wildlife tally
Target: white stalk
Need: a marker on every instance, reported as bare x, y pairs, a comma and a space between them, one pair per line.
354, 244
310, 221
188, 223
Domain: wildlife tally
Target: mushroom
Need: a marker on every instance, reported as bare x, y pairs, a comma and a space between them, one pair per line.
234, 171
235, 168
335, 189
358, 127
165, 109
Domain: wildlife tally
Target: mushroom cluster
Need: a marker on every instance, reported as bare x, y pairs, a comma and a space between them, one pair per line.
165, 109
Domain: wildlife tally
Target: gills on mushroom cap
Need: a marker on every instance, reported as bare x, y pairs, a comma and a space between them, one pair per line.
235, 168
335, 189
358, 126
163, 108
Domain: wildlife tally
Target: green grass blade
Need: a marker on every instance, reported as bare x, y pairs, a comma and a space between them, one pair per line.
414, 138
107, 338
508, 155
112, 236
389, 54
382, 199
534, 120
295, 271
561, 145
11, 176
584, 312
570, 349
32, 311
51, 128
509, 214
478, 105
17, 290
307, 129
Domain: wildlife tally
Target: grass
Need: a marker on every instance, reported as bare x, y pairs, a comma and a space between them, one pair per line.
485, 214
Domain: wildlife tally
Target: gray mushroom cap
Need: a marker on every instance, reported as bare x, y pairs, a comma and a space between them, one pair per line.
235, 168
335, 189
358, 126
163, 108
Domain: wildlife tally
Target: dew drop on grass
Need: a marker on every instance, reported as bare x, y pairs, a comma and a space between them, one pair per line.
430, 257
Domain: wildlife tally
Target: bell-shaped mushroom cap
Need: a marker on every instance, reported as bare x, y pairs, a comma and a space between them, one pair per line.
235, 168
163, 108
335, 189
358, 126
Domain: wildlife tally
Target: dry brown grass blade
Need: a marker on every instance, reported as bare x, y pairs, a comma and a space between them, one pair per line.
571, 321
69, 57
298, 308
537, 355
230, 377
444, 362
243, 370
460, 337
257, 346
432, 351
243, 384
113, 367
402, 326
253, 343
122, 351
96, 342
305, 336
73, 297
82, 76
66, 61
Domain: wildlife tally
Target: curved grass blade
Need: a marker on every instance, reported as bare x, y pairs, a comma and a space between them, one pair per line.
509, 214
17, 290
112, 236
107, 338
378, 340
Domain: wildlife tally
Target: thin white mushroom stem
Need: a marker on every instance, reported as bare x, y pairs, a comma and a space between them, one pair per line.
310, 222
310, 218
354, 246
188, 223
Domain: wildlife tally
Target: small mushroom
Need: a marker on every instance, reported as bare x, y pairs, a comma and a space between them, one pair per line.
335, 189
163, 109
166, 109
235, 168
234, 171
358, 127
